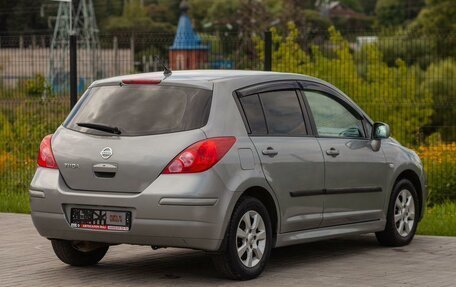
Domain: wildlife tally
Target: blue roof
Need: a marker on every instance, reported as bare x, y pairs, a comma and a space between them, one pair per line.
186, 38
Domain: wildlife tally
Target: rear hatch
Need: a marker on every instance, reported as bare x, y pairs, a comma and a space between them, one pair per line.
119, 138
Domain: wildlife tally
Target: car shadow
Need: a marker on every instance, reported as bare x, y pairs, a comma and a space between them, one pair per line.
169, 266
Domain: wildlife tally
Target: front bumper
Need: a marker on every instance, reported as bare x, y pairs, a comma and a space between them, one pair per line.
175, 210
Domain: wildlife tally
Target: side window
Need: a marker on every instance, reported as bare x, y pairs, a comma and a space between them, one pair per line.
283, 113
254, 114
332, 118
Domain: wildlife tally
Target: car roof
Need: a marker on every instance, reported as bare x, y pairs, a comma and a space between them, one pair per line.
204, 78
207, 78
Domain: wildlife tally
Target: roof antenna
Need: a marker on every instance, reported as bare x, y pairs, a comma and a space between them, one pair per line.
166, 71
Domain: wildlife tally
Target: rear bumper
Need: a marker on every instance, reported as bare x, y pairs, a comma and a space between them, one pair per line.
143, 232
177, 211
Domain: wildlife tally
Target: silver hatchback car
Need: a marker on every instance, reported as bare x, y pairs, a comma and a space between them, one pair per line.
231, 162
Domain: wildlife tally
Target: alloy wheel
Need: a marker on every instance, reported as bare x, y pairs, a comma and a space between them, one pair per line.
251, 238
404, 213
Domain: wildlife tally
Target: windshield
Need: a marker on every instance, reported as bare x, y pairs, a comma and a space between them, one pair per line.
141, 109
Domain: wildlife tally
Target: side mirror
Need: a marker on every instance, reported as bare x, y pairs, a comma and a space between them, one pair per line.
380, 131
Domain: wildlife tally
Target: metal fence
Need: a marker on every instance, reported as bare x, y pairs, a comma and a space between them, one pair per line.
406, 82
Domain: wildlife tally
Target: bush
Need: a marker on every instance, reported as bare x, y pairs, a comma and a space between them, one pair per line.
22, 126
440, 165
37, 87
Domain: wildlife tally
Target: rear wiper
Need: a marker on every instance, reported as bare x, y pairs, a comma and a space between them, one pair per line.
100, 127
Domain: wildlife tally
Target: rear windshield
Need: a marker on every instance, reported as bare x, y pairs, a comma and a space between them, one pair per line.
142, 109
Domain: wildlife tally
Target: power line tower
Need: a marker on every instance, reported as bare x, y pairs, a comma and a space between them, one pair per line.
85, 28
87, 31
58, 58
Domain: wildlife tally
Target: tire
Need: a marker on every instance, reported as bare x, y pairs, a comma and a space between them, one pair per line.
392, 236
256, 240
69, 254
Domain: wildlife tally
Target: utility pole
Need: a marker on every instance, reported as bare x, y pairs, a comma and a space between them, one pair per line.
73, 70
268, 51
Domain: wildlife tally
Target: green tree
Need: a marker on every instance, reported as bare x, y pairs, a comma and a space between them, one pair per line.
440, 81
21, 15
240, 16
224, 15
135, 18
436, 22
436, 18
164, 11
369, 6
353, 4
390, 12
107, 8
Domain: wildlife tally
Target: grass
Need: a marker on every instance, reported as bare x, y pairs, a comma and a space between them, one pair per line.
15, 202
438, 220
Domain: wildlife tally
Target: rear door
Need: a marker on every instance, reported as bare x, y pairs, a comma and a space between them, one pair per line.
156, 122
291, 159
355, 174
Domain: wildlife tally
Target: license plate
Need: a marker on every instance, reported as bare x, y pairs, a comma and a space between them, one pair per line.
100, 219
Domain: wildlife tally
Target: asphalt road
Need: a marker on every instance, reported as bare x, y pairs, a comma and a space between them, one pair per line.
26, 259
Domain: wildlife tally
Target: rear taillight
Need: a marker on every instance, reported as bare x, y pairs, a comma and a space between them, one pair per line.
200, 156
45, 155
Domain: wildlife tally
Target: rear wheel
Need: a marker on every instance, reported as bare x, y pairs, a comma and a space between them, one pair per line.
79, 253
248, 241
402, 218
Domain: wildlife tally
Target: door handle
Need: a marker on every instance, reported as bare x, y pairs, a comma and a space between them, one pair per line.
332, 152
270, 151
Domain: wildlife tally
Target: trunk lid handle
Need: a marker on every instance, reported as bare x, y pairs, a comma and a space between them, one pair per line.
105, 167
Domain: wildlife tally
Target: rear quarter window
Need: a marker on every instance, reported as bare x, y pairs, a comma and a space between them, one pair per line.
254, 114
142, 109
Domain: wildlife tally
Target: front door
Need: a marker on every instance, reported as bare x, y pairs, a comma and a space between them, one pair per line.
291, 159
355, 174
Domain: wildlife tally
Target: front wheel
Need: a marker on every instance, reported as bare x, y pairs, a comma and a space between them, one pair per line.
248, 241
402, 217
79, 253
